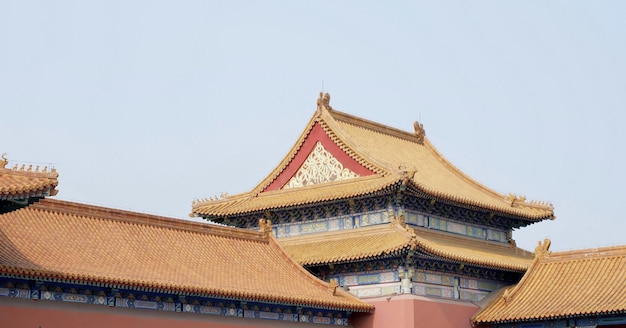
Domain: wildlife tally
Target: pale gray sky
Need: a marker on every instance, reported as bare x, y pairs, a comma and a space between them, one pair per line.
147, 105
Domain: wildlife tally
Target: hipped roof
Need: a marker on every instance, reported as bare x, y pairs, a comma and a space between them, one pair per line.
107, 247
394, 156
579, 283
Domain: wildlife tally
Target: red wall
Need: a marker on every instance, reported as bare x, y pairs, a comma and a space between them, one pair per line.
415, 311
398, 312
55, 314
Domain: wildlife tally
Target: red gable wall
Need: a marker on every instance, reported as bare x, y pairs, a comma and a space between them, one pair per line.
316, 134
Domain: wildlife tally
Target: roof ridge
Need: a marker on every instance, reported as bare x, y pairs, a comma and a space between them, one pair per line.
29, 171
588, 253
106, 213
337, 134
374, 126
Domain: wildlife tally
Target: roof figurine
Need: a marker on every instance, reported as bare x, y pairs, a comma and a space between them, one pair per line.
542, 249
323, 101
420, 133
24, 184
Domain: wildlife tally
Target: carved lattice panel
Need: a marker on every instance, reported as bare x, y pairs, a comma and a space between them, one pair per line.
320, 167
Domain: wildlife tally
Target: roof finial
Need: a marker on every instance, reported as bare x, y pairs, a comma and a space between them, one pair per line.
4, 161
420, 133
506, 296
332, 286
323, 101
265, 227
542, 249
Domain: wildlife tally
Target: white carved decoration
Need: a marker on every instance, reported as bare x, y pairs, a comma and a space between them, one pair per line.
320, 167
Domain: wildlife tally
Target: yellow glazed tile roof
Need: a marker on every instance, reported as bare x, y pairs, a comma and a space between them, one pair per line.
474, 251
24, 182
578, 283
381, 240
393, 155
343, 246
84, 243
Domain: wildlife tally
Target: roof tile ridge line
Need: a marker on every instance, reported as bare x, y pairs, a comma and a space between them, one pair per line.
573, 254
119, 215
374, 126
291, 154
463, 175
336, 134
274, 243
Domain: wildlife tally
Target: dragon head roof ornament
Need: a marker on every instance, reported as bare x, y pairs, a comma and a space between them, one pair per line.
323, 101
420, 133
4, 161
542, 249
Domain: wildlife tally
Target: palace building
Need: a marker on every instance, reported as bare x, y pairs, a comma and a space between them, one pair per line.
360, 225
382, 213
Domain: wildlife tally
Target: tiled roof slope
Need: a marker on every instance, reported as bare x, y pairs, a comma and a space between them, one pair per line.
473, 251
89, 244
339, 246
578, 283
394, 156
22, 183
375, 241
